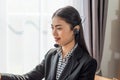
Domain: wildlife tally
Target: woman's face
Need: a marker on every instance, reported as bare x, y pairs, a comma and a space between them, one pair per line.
61, 31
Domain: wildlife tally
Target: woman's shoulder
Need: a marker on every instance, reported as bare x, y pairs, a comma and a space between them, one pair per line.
87, 57
51, 52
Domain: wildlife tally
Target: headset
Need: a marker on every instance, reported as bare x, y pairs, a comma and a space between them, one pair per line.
76, 32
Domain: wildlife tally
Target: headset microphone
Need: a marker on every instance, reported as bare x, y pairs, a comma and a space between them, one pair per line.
56, 45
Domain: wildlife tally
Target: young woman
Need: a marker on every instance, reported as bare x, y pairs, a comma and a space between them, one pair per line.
70, 60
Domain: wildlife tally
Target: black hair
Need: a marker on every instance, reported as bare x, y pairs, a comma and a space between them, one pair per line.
72, 16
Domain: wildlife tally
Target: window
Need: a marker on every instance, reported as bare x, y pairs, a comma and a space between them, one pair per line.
28, 36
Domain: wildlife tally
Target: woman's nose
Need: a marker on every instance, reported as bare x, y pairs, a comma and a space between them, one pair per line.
54, 32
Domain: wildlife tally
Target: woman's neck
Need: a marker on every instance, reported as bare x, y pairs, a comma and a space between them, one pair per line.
67, 48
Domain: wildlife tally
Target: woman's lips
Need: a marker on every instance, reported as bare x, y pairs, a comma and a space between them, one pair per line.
57, 39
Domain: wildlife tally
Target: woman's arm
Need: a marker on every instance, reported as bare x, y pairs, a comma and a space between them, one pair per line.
36, 74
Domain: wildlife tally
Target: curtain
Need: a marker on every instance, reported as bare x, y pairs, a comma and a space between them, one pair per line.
95, 12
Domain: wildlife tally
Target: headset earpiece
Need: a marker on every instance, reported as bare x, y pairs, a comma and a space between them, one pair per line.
76, 31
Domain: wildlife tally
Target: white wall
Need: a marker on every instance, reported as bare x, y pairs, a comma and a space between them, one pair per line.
2, 36
111, 54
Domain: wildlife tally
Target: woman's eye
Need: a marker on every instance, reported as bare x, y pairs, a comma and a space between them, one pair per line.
59, 28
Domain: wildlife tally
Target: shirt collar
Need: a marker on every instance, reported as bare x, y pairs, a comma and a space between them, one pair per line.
59, 50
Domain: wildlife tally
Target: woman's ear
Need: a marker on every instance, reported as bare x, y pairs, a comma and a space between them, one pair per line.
77, 27
76, 30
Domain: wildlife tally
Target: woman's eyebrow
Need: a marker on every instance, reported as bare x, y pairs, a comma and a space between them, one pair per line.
56, 25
